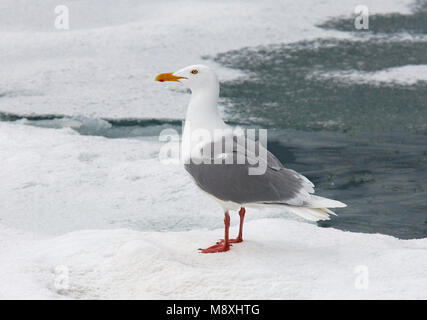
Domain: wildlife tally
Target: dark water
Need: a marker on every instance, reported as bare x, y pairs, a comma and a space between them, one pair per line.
361, 143
414, 23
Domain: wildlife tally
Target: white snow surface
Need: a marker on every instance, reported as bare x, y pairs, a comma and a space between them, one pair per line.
66, 200
279, 259
404, 75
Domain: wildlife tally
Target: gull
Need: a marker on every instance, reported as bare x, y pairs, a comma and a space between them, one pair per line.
230, 182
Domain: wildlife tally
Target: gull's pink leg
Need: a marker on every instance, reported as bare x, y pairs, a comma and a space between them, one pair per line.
223, 245
240, 235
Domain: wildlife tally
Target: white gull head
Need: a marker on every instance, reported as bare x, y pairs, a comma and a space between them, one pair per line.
202, 121
198, 77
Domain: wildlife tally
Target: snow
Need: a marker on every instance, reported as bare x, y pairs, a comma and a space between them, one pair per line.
59, 181
56, 181
123, 225
279, 259
404, 75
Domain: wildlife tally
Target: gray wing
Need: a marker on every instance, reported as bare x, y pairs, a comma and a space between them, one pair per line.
232, 182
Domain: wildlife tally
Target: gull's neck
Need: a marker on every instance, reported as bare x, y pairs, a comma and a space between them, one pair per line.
202, 116
202, 112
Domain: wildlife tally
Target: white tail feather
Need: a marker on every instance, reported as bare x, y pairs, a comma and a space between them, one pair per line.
312, 214
320, 202
315, 209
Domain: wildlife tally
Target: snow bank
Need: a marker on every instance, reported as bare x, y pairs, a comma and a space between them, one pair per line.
54, 183
280, 259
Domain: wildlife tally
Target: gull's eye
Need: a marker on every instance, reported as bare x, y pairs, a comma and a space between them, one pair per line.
194, 71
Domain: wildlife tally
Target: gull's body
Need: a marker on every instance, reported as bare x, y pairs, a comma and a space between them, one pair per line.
231, 184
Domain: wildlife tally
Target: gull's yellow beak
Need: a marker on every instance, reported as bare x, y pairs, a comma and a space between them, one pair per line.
167, 77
